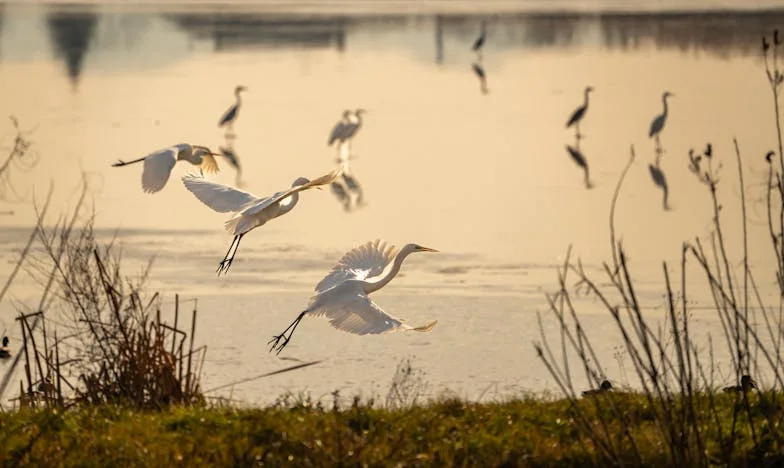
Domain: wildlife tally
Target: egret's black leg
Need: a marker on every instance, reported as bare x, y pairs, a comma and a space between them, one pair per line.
223, 266
275, 341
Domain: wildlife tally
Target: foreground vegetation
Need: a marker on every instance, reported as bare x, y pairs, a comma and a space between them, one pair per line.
450, 432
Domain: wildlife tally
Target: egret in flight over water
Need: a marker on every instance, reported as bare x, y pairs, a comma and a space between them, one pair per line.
579, 113
249, 210
158, 165
231, 114
342, 296
658, 123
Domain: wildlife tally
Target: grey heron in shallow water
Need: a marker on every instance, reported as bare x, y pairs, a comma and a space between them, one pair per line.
250, 211
339, 130
343, 296
158, 165
579, 113
232, 112
658, 123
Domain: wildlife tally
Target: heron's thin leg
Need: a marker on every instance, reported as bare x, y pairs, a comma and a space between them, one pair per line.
223, 266
276, 339
121, 163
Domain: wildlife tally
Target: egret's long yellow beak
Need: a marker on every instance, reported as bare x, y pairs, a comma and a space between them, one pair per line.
426, 249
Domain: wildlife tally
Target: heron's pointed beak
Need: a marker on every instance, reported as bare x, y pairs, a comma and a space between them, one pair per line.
426, 249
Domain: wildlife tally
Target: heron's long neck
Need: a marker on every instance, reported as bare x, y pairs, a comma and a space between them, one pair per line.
377, 282
239, 99
664, 101
585, 104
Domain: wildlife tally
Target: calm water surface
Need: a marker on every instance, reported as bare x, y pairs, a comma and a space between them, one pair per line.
483, 177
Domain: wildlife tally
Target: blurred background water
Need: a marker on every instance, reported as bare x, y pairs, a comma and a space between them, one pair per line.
482, 176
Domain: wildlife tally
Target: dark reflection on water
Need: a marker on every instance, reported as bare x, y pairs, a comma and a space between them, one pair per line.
721, 34
70, 33
243, 31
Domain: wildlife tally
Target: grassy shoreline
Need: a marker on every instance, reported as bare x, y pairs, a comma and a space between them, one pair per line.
530, 431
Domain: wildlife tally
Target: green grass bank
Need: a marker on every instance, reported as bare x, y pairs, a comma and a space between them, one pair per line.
526, 432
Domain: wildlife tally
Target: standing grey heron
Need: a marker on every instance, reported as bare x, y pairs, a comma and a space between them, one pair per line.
351, 128
233, 112
579, 113
658, 123
249, 210
343, 295
158, 165
339, 129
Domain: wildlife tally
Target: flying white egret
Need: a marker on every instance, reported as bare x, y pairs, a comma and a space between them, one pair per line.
658, 123
158, 165
480, 41
249, 210
579, 113
342, 296
233, 112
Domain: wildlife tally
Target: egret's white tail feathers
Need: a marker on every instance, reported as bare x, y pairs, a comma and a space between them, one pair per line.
426, 327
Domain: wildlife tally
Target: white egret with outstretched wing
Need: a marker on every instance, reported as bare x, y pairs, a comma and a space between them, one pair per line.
343, 295
158, 165
250, 211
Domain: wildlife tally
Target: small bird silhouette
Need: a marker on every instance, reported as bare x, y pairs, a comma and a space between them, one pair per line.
605, 386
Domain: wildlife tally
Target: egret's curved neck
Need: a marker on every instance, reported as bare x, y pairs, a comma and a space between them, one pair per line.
664, 101
288, 203
379, 281
237, 94
586, 98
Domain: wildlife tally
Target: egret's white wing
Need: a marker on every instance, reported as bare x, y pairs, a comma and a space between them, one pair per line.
365, 261
351, 310
157, 168
323, 180
219, 197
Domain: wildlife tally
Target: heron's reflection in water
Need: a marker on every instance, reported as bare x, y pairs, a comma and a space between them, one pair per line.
230, 155
347, 188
